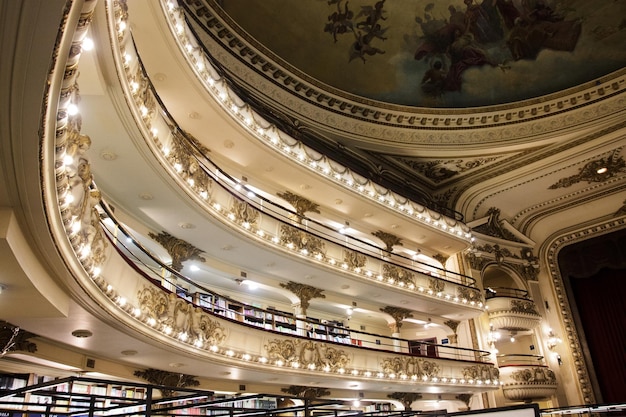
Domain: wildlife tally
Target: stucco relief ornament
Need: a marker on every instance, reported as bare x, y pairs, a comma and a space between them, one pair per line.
398, 314
388, 239
304, 292
185, 155
437, 285
469, 294
244, 213
402, 365
307, 353
598, 170
521, 306
301, 204
398, 274
535, 376
178, 249
481, 372
300, 240
176, 316
354, 260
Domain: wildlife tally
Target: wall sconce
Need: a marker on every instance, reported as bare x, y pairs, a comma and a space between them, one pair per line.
492, 338
553, 340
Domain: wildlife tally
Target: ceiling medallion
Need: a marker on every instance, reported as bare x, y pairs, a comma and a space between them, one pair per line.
108, 155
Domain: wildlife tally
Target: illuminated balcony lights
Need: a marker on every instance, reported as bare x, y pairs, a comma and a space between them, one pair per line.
263, 359
229, 353
214, 348
72, 109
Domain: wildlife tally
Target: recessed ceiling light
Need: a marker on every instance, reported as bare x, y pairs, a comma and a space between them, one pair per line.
129, 352
176, 365
194, 115
82, 333
146, 196
602, 170
186, 226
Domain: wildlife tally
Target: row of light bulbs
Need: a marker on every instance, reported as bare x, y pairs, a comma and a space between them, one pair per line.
297, 151
199, 343
122, 302
223, 95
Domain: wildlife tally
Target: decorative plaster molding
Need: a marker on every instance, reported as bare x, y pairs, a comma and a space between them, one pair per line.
251, 63
565, 311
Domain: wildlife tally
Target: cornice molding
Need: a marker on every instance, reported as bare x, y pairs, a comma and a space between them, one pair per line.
376, 122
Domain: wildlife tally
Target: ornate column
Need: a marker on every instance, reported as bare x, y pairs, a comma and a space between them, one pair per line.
398, 315
305, 293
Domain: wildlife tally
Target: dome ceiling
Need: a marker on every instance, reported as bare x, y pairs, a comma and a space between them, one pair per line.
451, 54
558, 99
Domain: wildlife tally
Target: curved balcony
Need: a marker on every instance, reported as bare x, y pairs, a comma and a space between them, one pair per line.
263, 221
511, 309
129, 296
223, 330
526, 377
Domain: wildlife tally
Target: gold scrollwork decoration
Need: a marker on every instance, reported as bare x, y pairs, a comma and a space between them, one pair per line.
300, 240
354, 260
178, 249
179, 317
410, 366
522, 306
388, 239
307, 353
481, 372
398, 274
244, 213
537, 375
470, 294
437, 285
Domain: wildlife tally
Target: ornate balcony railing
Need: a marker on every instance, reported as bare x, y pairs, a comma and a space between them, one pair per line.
526, 377
511, 309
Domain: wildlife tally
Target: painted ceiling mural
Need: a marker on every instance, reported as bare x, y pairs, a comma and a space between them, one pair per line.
453, 53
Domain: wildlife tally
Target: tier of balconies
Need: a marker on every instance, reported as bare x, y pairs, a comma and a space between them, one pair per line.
526, 378
511, 310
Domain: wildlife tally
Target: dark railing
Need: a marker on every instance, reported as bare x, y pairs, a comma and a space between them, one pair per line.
516, 359
493, 292
151, 267
285, 215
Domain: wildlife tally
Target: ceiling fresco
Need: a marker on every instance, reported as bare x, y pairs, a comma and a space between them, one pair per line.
454, 53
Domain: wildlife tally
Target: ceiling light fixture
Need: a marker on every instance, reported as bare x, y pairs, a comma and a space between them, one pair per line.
82, 333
